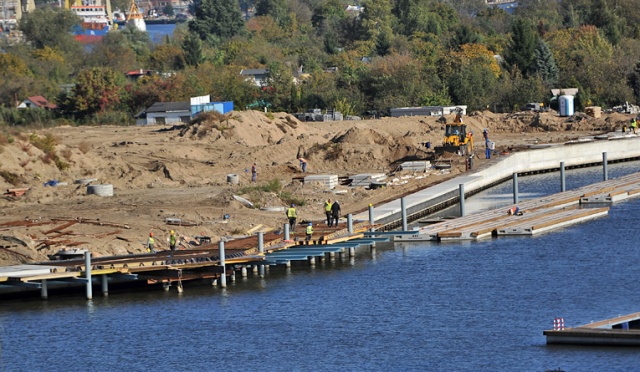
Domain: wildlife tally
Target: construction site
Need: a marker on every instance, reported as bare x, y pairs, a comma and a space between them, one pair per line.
118, 184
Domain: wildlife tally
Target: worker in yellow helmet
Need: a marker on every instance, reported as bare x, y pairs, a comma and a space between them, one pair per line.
327, 211
309, 231
151, 242
172, 242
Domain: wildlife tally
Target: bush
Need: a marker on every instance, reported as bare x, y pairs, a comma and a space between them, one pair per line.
47, 143
15, 116
111, 118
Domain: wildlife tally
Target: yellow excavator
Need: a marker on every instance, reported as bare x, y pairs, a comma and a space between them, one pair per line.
456, 137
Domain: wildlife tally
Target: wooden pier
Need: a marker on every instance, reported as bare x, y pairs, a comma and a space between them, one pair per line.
537, 215
619, 331
202, 262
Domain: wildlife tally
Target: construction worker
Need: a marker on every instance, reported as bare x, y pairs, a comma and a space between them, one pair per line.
335, 213
634, 125
309, 232
327, 211
172, 242
303, 164
151, 243
291, 214
254, 173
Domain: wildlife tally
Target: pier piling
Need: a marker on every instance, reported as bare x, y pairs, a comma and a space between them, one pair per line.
515, 188
461, 191
349, 223
223, 278
261, 250
44, 292
87, 270
563, 184
286, 232
104, 280
372, 219
605, 171
403, 208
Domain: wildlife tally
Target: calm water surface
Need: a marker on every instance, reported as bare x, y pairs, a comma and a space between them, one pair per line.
423, 307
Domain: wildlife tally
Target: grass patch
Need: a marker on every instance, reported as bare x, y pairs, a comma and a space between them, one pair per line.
272, 186
11, 177
290, 199
269, 115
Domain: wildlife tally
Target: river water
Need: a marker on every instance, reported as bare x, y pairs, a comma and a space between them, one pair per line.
419, 307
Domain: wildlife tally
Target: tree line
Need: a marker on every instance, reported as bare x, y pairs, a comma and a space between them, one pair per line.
389, 53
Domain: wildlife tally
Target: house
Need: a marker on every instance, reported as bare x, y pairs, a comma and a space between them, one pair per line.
180, 112
165, 113
136, 74
37, 102
257, 76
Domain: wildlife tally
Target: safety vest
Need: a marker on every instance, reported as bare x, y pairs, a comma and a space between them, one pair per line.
309, 230
172, 240
291, 213
151, 241
327, 206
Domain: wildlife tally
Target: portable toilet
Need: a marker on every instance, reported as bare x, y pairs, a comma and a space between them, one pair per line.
566, 105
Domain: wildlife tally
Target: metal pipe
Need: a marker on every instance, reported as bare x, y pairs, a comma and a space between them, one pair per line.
87, 271
563, 184
461, 191
403, 208
350, 223
372, 219
605, 171
515, 188
286, 232
223, 278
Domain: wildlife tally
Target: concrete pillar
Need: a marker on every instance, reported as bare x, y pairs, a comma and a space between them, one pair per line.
515, 188
223, 278
312, 261
286, 232
403, 208
332, 254
352, 251
87, 271
605, 171
243, 271
288, 264
261, 250
461, 192
350, 223
44, 291
563, 184
104, 279
233, 275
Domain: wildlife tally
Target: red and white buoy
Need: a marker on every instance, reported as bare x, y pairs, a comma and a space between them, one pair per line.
558, 324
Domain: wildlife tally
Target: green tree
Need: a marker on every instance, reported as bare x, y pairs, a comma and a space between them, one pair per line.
521, 51
192, 48
168, 10
96, 90
545, 65
603, 16
49, 27
216, 20
276, 9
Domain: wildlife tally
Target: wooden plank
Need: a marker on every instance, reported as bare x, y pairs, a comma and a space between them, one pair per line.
586, 213
254, 229
61, 227
450, 234
50, 276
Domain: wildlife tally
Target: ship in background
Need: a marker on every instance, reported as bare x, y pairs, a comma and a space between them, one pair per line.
95, 18
135, 19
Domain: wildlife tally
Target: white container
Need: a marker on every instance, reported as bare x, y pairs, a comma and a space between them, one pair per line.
233, 179
100, 190
566, 105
